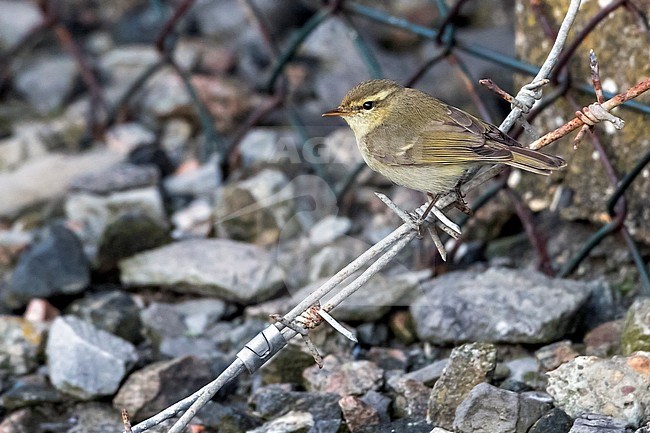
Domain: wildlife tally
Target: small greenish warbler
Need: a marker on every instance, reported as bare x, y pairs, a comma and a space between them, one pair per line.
421, 143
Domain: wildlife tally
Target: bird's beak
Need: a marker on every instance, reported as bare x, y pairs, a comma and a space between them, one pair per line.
336, 112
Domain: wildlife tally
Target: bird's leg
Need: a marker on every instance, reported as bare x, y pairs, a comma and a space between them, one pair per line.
434, 199
460, 202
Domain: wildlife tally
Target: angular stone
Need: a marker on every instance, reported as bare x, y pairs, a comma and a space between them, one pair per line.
257, 209
429, 374
291, 422
400, 425
218, 267
120, 177
604, 340
20, 345
343, 378
276, 400
499, 305
47, 81
618, 387
636, 327
85, 361
54, 265
16, 20
30, 390
469, 365
226, 419
129, 234
113, 311
159, 385
487, 409
594, 423
46, 178
555, 421
357, 413
412, 398
552, 356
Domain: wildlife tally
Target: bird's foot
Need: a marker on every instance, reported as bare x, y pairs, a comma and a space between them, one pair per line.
460, 202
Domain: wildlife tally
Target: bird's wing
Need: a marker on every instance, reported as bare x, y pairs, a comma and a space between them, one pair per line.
459, 138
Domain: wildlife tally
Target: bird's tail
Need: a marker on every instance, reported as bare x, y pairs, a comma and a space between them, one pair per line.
534, 161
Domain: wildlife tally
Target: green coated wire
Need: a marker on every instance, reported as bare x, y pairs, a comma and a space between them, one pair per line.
589, 245
296, 41
364, 50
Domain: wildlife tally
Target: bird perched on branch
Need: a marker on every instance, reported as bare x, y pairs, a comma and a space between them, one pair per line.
421, 143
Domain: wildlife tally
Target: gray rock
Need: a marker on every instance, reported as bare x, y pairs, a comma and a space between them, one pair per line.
343, 378
200, 314
429, 374
114, 311
121, 64
176, 330
593, 423
487, 409
159, 385
380, 402
357, 413
125, 137
291, 422
120, 177
373, 300
85, 361
219, 267
498, 305
55, 264
20, 345
469, 365
490, 409
93, 417
15, 150
102, 198
401, 425
193, 221
618, 387
46, 178
636, 327
165, 96
521, 369
127, 235
202, 182
329, 229
16, 20
276, 400
47, 81
605, 339
30, 390
552, 356
555, 421
161, 320
270, 146
411, 399
225, 419
257, 209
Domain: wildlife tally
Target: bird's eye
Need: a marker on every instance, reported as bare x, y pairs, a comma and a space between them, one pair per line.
368, 105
